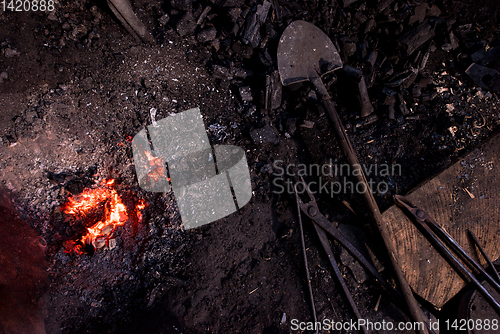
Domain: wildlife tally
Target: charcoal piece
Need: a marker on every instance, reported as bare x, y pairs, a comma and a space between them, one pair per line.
234, 14
416, 91
251, 34
494, 83
262, 11
387, 68
370, 25
264, 41
362, 50
267, 168
185, 5
388, 91
348, 48
446, 47
360, 17
264, 135
453, 41
353, 72
312, 95
277, 9
186, 25
383, 5
247, 52
413, 39
370, 119
366, 105
221, 72
203, 15
346, 3
491, 59
245, 12
405, 78
450, 23
270, 31
428, 96
207, 35
419, 15
236, 28
390, 100
245, 93
291, 126
215, 44
424, 82
423, 60
241, 73
265, 58
433, 11
362, 96
232, 3
236, 47
197, 12
464, 30
392, 112
118, 56
372, 58
402, 105
478, 56
164, 19
399, 79
484, 77
273, 91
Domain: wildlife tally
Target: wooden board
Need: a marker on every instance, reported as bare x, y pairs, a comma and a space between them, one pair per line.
464, 196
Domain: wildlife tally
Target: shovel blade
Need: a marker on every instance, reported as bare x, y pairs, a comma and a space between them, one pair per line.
305, 52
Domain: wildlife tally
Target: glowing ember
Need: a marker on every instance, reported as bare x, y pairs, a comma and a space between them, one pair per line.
158, 165
140, 206
100, 234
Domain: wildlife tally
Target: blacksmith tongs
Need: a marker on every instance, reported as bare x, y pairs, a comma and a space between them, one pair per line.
438, 238
323, 226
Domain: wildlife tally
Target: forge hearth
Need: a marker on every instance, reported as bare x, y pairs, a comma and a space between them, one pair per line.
101, 211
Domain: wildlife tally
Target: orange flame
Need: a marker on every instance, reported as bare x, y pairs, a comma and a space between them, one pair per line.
159, 167
115, 212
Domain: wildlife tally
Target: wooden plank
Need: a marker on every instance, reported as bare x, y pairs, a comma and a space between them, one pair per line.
464, 196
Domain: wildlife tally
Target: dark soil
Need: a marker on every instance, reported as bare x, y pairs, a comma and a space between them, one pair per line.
78, 88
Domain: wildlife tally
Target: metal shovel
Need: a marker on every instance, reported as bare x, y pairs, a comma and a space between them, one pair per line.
305, 53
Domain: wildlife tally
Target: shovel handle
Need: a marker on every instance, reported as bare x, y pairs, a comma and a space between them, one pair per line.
348, 151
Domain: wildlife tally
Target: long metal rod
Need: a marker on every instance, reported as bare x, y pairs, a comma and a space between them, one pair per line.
481, 249
336, 234
345, 144
463, 254
456, 264
305, 259
326, 246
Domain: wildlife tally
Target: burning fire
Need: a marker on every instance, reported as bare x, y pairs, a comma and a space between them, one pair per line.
158, 165
100, 234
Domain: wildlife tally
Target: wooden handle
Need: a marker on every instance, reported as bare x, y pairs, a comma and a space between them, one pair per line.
352, 159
